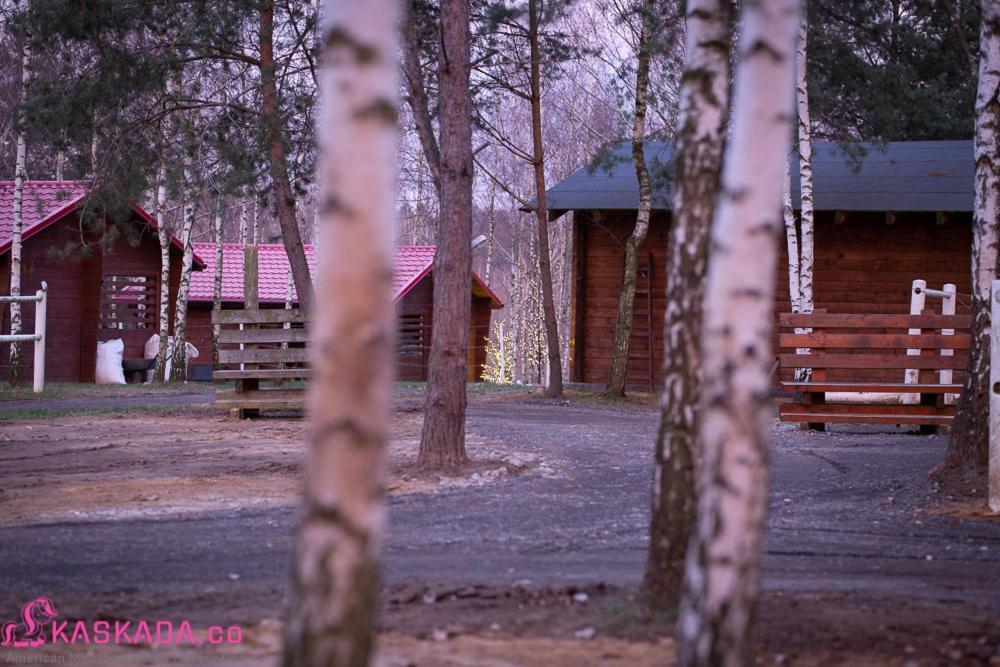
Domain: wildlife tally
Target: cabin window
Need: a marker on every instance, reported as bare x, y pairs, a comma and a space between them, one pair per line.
410, 342
128, 302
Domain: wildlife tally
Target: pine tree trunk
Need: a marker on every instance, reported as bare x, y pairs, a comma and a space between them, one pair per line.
704, 103
335, 576
274, 140
163, 236
442, 441
178, 355
626, 302
723, 566
968, 446
217, 286
15, 373
541, 211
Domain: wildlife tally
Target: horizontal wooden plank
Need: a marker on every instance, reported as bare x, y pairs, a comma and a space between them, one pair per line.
872, 418
854, 321
900, 341
923, 361
220, 375
262, 395
297, 335
864, 408
260, 316
262, 404
264, 356
874, 387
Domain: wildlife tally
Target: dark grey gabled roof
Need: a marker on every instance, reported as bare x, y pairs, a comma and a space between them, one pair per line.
898, 176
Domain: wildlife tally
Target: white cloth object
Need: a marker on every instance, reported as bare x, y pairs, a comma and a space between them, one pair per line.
109, 362
152, 348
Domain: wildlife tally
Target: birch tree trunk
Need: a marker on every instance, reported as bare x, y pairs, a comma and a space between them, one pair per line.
555, 380
16, 371
274, 140
163, 236
178, 355
244, 229
701, 123
806, 217
792, 243
626, 301
723, 566
217, 286
442, 440
968, 446
335, 574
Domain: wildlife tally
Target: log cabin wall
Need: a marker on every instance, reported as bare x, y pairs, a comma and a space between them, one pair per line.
414, 313
74, 301
126, 260
69, 280
863, 265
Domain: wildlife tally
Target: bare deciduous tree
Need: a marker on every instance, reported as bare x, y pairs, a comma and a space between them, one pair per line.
723, 565
626, 301
336, 573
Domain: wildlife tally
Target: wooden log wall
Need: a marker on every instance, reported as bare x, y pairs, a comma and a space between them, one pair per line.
863, 265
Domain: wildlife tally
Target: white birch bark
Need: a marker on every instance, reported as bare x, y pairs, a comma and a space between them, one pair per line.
792, 243
217, 286
334, 591
968, 445
16, 370
806, 217
178, 355
723, 566
704, 105
163, 236
243, 222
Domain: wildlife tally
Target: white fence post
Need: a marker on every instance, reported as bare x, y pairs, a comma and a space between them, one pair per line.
41, 307
948, 308
994, 473
918, 298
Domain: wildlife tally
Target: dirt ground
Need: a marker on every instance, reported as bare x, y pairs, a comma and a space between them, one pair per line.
187, 462
532, 555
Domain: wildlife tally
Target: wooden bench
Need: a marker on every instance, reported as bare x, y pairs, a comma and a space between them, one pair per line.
260, 355
869, 357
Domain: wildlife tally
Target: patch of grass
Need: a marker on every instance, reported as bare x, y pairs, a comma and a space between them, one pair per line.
633, 616
52, 413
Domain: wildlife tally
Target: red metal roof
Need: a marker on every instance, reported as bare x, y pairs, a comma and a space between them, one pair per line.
412, 264
48, 202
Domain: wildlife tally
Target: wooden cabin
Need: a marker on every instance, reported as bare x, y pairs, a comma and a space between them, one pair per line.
413, 286
103, 279
896, 213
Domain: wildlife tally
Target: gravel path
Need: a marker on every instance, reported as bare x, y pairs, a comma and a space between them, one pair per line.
845, 516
